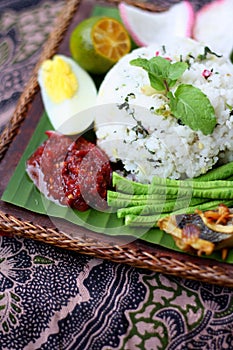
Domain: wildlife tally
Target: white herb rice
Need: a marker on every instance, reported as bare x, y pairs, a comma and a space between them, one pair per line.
150, 143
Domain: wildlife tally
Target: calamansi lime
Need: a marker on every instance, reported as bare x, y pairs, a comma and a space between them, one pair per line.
99, 42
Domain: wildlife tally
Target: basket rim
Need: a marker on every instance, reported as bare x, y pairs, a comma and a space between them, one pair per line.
134, 255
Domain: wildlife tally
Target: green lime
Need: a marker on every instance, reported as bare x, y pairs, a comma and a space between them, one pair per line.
97, 43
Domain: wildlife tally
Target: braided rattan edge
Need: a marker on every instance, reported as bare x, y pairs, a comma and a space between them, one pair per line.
49, 49
134, 256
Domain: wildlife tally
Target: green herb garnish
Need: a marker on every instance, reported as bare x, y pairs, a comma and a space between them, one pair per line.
163, 75
188, 103
207, 51
193, 108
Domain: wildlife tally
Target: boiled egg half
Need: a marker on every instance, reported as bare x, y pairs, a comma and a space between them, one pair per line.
68, 92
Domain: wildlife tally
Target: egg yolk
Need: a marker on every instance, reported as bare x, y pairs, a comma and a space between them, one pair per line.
59, 80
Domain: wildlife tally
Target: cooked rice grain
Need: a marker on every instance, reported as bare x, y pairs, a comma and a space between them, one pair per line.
149, 144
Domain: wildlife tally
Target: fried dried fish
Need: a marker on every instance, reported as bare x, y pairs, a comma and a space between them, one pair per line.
201, 232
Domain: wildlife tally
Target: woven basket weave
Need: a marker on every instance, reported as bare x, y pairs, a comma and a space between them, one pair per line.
138, 254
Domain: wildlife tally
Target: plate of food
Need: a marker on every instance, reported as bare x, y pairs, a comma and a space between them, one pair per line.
124, 145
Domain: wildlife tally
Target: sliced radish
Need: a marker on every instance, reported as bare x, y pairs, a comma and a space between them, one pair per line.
213, 26
147, 28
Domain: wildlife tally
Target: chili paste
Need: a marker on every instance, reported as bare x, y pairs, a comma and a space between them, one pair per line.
74, 173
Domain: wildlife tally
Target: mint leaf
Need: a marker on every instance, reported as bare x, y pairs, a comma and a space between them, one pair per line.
188, 103
157, 83
141, 62
193, 108
177, 69
162, 73
157, 69
159, 66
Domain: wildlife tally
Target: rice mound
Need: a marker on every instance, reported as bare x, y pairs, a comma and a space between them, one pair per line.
150, 144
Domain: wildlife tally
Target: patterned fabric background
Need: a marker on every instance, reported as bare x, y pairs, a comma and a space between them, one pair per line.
53, 299
19, 24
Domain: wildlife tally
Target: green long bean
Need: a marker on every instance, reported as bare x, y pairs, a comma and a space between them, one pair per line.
162, 207
144, 204
222, 172
204, 189
211, 189
151, 220
122, 200
127, 186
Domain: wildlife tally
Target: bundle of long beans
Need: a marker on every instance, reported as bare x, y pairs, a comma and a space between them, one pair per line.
144, 204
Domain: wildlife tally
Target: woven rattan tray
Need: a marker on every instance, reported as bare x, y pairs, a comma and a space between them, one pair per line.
20, 222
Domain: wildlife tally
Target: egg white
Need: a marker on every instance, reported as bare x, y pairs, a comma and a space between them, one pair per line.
66, 117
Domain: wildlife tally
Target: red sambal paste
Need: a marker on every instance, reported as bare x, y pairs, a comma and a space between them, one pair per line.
74, 173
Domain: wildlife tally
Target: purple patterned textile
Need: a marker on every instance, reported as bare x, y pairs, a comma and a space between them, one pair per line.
55, 299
